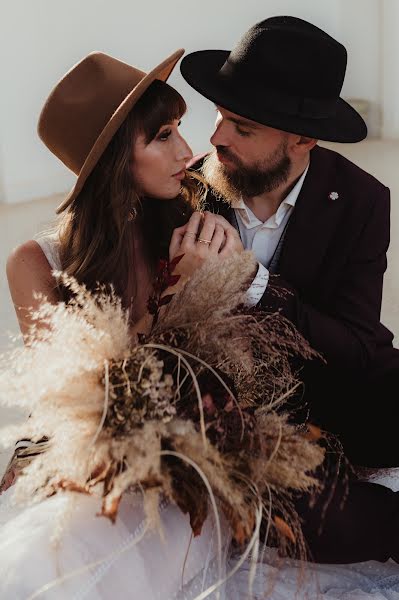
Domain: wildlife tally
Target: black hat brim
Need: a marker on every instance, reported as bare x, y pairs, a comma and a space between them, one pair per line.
201, 70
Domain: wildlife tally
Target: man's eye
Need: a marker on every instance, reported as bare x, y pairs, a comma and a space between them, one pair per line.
242, 132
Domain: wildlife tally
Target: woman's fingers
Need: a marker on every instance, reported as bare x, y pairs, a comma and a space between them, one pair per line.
217, 240
203, 236
176, 240
223, 222
191, 231
184, 237
232, 244
208, 228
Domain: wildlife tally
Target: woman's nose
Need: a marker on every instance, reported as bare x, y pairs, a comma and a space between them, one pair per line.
184, 151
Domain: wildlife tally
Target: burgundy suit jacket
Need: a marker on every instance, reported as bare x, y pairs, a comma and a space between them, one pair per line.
333, 261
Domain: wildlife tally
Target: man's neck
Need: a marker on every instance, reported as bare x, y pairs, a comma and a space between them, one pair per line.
265, 205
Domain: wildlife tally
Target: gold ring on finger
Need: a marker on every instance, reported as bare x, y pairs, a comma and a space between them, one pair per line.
204, 241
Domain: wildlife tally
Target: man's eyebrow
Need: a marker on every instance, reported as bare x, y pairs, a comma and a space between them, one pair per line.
242, 123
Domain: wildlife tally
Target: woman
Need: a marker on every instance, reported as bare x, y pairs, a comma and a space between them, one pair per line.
116, 128
131, 191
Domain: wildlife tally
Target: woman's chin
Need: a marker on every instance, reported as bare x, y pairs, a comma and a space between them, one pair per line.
168, 194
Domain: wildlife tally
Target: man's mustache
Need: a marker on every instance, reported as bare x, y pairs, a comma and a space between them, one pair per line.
223, 151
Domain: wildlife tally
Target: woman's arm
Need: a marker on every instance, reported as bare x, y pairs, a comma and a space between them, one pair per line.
28, 272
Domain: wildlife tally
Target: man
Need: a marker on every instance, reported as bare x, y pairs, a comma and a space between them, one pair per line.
318, 224
319, 227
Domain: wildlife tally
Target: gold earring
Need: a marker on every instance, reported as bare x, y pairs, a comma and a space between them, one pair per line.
132, 214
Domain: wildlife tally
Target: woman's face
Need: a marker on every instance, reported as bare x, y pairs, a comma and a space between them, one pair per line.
159, 167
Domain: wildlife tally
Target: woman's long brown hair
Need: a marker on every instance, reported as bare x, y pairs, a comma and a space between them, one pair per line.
96, 236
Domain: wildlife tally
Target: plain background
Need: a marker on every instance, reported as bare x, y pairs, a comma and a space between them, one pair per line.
41, 39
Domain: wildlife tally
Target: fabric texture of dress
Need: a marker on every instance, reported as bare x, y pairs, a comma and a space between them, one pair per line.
59, 549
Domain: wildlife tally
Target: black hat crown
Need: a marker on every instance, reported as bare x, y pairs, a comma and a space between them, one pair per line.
284, 72
296, 57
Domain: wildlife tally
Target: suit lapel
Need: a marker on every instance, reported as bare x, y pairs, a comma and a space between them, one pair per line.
313, 221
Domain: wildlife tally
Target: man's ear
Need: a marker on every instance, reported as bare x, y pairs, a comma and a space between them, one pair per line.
300, 145
305, 144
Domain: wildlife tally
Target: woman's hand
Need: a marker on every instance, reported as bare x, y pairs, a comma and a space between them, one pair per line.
206, 235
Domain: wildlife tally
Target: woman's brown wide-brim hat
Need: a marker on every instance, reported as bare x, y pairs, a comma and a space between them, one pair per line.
87, 107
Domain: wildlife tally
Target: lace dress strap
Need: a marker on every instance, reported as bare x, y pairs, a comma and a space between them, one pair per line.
50, 247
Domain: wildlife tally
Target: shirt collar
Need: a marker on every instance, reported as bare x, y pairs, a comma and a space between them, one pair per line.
294, 193
250, 220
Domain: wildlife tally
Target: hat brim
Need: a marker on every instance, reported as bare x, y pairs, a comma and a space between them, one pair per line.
162, 72
201, 71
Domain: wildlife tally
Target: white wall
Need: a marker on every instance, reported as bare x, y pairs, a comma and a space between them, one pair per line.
359, 29
390, 70
41, 39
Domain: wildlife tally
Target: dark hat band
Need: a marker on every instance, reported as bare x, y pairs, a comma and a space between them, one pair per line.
303, 107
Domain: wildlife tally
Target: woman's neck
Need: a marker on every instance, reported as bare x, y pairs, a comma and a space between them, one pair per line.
142, 275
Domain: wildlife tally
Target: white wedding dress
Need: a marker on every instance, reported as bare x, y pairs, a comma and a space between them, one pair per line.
58, 549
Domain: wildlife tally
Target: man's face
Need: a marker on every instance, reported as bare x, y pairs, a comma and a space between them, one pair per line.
249, 158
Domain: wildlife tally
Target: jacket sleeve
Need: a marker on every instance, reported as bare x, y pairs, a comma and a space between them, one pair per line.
345, 330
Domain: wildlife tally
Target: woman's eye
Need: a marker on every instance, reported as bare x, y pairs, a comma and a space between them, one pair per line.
163, 136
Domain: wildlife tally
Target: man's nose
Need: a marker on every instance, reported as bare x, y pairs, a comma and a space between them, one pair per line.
219, 137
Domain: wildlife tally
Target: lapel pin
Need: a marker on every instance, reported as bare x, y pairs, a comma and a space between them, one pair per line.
333, 195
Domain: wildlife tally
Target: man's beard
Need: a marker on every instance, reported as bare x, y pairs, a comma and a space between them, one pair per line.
262, 176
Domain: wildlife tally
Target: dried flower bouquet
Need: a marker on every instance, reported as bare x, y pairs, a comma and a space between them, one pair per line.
196, 407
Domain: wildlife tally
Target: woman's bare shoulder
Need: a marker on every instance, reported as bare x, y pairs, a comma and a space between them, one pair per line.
28, 261
29, 278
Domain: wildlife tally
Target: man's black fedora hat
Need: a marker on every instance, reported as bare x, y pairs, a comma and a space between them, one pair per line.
285, 73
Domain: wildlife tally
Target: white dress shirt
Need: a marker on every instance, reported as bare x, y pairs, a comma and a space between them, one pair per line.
263, 237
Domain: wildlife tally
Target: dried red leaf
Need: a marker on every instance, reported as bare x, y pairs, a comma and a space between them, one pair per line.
173, 263
112, 511
165, 299
313, 433
172, 280
98, 474
70, 486
284, 529
152, 305
162, 265
241, 528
